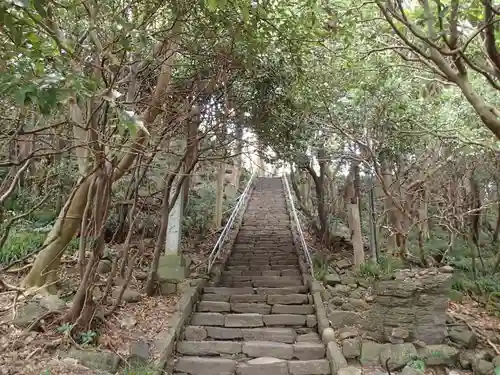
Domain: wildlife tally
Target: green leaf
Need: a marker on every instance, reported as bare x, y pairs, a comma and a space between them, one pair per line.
212, 5
39, 6
245, 12
497, 370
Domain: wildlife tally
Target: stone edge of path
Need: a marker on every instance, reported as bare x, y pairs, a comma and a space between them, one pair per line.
182, 313
191, 295
334, 353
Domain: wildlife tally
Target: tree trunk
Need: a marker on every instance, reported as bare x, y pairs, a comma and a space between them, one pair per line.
497, 226
238, 158
354, 219
389, 208
192, 151
219, 195
44, 269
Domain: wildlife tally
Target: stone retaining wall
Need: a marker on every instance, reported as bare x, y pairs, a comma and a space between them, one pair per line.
410, 308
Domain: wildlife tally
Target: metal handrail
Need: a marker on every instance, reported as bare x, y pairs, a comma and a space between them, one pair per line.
299, 229
220, 241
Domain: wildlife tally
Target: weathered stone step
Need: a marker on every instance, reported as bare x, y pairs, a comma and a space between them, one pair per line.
304, 351
248, 255
292, 261
226, 291
265, 282
193, 365
257, 261
261, 267
255, 307
281, 299
200, 333
248, 320
251, 273
205, 366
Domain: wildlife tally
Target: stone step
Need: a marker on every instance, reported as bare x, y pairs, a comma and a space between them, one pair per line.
272, 299
258, 261
304, 351
263, 307
282, 291
261, 267
283, 335
249, 255
250, 320
268, 283
314, 367
251, 261
194, 365
309, 337
226, 291
251, 273
205, 366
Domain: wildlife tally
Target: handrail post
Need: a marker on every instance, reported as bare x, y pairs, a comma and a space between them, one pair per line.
214, 254
297, 223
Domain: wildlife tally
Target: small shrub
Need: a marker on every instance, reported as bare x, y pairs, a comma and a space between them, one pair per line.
370, 269
199, 211
20, 243
138, 371
320, 267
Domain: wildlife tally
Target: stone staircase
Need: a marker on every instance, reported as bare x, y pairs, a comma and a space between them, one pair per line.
261, 319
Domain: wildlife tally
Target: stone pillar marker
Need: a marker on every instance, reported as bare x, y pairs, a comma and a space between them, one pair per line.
172, 268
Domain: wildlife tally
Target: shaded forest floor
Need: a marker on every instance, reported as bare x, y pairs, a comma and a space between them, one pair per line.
138, 318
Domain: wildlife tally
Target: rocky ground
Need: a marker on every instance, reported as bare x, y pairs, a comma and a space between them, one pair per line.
404, 321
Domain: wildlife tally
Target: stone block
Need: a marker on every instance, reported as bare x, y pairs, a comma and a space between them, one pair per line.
349, 370
306, 351
205, 366
215, 297
247, 298
315, 367
293, 309
267, 349
243, 320
282, 291
439, 355
351, 348
335, 357
311, 321
341, 319
227, 291
222, 333
309, 337
171, 268
208, 319
284, 335
258, 308
396, 356
284, 320
206, 348
96, 359
263, 366
370, 353
168, 288
139, 352
214, 306
463, 337
287, 299
195, 333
